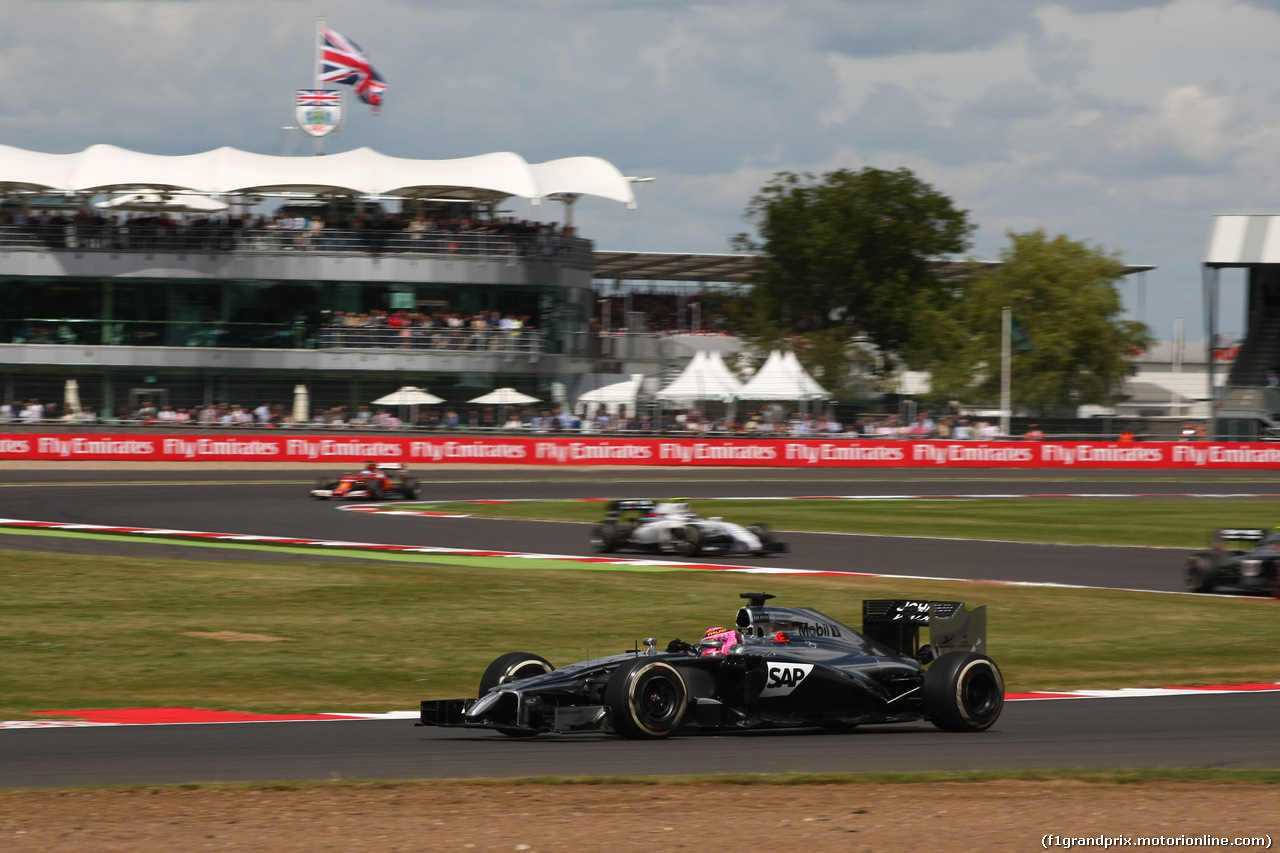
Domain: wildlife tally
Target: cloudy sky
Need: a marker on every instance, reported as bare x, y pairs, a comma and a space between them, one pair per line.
1124, 123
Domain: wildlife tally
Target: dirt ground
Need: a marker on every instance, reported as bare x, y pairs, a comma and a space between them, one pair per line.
850, 818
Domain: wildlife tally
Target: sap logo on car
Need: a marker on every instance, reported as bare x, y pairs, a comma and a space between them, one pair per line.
785, 677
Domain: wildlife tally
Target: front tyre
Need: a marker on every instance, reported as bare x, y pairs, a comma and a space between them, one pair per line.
513, 666
1200, 573
646, 699
374, 488
963, 692
410, 489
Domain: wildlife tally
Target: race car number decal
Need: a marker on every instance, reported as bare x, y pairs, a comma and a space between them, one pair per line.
785, 677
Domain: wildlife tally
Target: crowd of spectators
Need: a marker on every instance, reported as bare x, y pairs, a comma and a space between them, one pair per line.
374, 233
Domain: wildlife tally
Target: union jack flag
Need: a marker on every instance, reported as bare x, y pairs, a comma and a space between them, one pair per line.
342, 61
319, 98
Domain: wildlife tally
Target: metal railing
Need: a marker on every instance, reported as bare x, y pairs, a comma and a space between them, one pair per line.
218, 237
268, 336
417, 338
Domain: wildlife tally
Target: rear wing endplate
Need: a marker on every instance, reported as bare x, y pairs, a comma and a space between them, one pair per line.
953, 627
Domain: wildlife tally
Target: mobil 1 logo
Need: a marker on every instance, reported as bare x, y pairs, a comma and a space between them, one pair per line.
784, 677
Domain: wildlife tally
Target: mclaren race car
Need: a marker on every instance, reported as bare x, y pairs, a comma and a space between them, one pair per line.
377, 480
777, 667
1239, 558
671, 527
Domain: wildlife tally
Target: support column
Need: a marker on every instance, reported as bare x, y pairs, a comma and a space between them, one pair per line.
1210, 293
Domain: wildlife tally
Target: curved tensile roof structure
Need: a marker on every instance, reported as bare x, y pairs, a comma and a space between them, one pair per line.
230, 171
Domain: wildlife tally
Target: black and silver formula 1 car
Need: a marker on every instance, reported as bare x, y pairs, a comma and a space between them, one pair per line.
777, 667
375, 481
1239, 558
671, 527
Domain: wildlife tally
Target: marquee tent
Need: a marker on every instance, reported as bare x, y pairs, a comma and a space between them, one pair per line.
782, 378
229, 171
612, 396
706, 377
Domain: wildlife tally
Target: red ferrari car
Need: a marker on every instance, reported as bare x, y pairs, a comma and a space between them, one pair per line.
377, 480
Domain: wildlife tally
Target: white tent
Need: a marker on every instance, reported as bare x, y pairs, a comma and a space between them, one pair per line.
487, 177
782, 378
705, 378
613, 396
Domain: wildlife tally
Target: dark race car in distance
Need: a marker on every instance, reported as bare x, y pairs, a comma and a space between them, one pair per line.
1241, 559
377, 480
672, 527
777, 667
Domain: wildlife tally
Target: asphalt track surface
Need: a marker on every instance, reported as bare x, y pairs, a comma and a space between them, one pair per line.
1211, 731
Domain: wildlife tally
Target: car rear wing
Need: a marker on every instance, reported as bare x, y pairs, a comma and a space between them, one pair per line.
953, 627
1238, 538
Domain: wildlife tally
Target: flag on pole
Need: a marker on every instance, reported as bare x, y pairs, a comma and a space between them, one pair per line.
342, 61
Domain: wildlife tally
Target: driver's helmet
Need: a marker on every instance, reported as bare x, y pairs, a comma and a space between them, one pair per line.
370, 468
718, 641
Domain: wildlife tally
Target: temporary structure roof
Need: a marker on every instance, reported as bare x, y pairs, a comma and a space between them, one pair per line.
106, 168
782, 378
705, 378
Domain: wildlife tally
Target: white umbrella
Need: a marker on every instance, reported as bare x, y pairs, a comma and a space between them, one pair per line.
408, 396
411, 397
71, 399
503, 397
164, 202
301, 404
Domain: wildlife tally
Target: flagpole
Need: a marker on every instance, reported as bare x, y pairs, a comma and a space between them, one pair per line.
1006, 332
318, 141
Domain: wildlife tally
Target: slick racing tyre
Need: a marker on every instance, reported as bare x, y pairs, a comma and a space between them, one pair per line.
690, 544
410, 489
963, 692
1200, 573
604, 537
646, 699
324, 484
513, 666
375, 489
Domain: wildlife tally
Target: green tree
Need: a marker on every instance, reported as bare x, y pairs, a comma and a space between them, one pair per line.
1072, 345
848, 254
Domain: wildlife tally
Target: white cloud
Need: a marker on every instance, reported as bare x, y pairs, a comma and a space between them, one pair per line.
1126, 123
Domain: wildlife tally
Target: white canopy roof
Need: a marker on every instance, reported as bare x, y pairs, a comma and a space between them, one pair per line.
106, 168
705, 378
782, 378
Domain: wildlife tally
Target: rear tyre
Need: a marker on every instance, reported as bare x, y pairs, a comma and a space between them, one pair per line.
410, 489
646, 699
513, 666
963, 692
1200, 573
691, 544
604, 537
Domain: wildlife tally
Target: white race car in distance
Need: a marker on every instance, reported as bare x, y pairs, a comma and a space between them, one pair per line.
671, 527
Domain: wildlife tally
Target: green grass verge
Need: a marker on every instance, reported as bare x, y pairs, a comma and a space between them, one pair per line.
101, 632
1082, 521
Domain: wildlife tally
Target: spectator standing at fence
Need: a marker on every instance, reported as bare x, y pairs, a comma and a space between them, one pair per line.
962, 430
1034, 433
